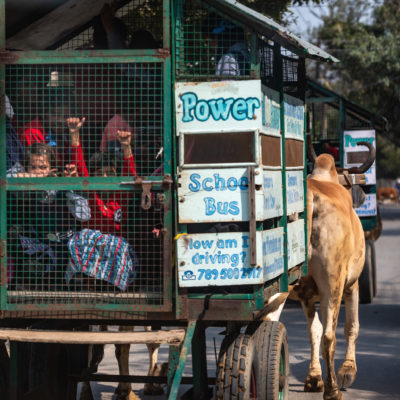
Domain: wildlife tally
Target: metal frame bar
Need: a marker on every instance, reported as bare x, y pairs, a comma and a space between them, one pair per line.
92, 183
3, 187
173, 391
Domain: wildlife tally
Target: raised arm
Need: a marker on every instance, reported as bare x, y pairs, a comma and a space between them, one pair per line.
124, 138
74, 126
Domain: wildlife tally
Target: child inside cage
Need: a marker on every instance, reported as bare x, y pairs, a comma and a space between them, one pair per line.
56, 98
101, 250
41, 222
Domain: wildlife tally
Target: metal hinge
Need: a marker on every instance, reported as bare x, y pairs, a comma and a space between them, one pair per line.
3, 248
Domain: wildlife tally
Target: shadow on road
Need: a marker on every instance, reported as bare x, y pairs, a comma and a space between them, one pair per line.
378, 348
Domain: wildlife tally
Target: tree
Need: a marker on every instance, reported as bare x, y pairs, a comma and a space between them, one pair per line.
365, 36
276, 8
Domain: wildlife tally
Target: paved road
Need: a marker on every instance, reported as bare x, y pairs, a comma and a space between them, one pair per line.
378, 347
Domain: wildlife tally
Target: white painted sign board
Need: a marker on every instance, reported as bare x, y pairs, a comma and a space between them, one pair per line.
369, 207
294, 191
351, 138
296, 243
294, 117
272, 188
218, 106
272, 247
223, 259
271, 112
217, 195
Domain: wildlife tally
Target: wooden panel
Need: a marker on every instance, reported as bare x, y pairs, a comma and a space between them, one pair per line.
74, 337
219, 148
294, 153
271, 151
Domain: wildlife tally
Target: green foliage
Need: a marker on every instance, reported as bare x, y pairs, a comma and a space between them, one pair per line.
365, 36
276, 8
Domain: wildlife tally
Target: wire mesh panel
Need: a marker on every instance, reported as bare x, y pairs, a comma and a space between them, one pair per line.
266, 61
100, 242
95, 247
293, 73
325, 121
104, 118
209, 44
137, 25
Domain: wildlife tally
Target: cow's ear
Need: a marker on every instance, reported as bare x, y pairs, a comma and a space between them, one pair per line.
357, 195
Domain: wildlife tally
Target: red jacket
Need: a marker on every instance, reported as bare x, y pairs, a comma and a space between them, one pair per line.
108, 215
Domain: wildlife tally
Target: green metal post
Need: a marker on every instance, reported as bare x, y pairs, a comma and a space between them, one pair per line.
14, 391
305, 265
199, 362
173, 394
3, 182
255, 70
278, 69
342, 125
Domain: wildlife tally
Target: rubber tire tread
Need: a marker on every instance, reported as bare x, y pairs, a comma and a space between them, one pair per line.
277, 342
261, 331
373, 260
235, 361
365, 281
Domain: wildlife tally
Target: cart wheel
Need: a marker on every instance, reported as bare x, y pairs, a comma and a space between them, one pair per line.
366, 279
373, 259
272, 352
237, 373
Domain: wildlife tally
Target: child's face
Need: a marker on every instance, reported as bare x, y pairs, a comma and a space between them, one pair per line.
39, 165
106, 171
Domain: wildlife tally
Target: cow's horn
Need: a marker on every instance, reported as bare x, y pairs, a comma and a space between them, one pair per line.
312, 156
368, 162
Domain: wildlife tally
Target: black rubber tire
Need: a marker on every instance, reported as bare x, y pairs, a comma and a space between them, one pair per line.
366, 279
236, 365
373, 260
272, 359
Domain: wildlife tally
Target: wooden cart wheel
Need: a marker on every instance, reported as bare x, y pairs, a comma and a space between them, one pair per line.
272, 353
366, 280
237, 370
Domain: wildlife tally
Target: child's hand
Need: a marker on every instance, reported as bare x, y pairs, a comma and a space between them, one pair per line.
70, 170
74, 125
124, 137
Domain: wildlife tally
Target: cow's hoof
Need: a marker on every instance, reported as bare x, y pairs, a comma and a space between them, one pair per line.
314, 384
86, 392
127, 396
347, 374
125, 393
153, 389
333, 395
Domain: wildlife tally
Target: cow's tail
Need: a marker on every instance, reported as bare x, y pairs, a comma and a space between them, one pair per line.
310, 207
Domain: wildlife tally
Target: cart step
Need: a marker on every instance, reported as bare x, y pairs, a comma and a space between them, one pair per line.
78, 337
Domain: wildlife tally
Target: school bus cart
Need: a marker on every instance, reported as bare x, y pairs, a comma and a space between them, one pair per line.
336, 125
193, 216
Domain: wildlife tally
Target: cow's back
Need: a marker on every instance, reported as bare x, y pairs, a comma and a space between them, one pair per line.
336, 234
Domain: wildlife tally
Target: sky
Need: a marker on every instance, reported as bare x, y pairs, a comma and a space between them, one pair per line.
305, 19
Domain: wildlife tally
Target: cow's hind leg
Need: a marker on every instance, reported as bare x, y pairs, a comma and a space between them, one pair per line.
314, 382
330, 307
124, 389
347, 372
153, 388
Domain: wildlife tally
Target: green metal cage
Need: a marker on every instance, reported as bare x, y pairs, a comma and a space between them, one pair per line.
97, 172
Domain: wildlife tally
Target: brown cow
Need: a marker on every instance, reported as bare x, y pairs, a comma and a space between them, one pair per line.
336, 258
387, 193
